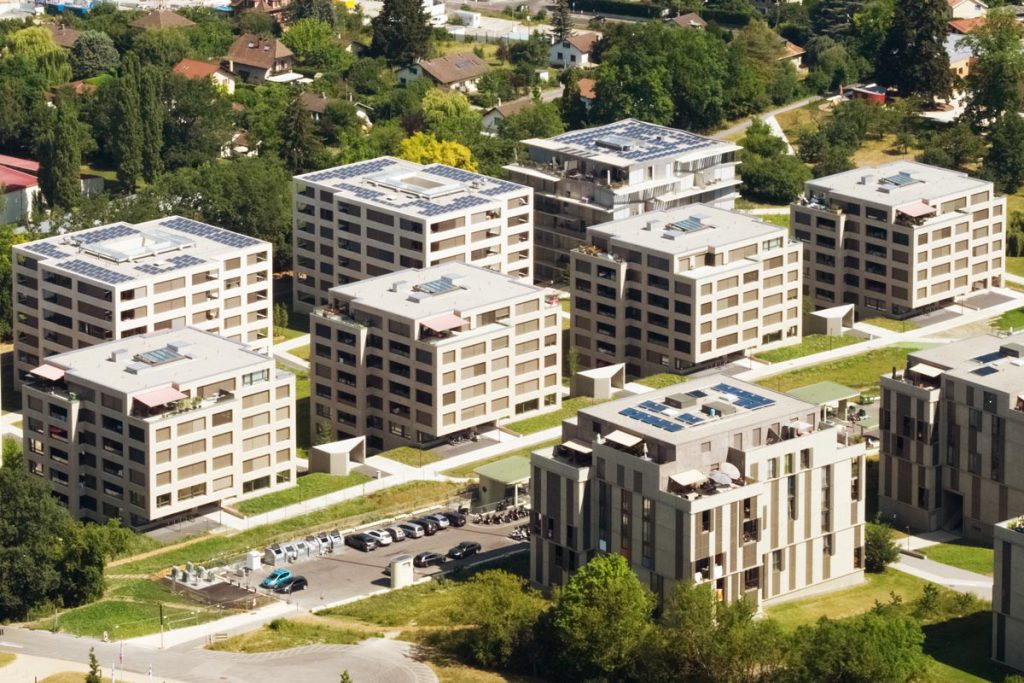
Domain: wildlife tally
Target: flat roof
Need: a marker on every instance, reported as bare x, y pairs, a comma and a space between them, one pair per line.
629, 141
415, 293
120, 253
687, 229
823, 393
149, 361
512, 470
898, 183
979, 359
410, 188
681, 413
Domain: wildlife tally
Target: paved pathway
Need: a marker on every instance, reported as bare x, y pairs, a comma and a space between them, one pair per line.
945, 575
294, 362
733, 131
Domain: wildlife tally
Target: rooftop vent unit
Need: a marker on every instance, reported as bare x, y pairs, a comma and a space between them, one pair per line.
619, 143
867, 179
681, 401
1013, 349
177, 346
400, 286
118, 355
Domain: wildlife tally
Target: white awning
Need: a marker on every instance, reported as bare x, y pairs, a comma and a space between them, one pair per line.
926, 370
578, 447
688, 478
800, 425
623, 439
730, 469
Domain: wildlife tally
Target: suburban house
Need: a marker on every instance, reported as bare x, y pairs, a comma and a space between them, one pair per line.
794, 54
193, 69
19, 190
160, 19
497, 114
575, 50
967, 9
255, 59
587, 92
689, 20
274, 8
316, 104
62, 35
239, 146
964, 26
454, 72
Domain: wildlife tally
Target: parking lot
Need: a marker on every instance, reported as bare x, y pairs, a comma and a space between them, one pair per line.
349, 573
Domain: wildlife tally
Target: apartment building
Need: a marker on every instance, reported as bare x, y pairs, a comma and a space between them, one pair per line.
585, 177
677, 289
899, 238
379, 216
1008, 594
952, 427
715, 480
154, 426
119, 280
414, 357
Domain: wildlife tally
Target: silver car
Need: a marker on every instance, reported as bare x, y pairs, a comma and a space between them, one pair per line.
411, 530
396, 533
442, 521
383, 537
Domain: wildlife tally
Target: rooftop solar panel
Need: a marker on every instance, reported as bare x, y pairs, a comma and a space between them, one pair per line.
158, 356
110, 232
900, 179
95, 272
173, 263
219, 235
46, 249
988, 357
985, 371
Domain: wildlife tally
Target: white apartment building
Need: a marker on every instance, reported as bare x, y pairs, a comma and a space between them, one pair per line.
596, 175
715, 480
119, 280
414, 357
674, 290
375, 217
899, 238
150, 427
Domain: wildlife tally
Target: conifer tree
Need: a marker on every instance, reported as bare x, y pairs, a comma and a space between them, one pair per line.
299, 144
401, 34
128, 117
561, 21
61, 159
152, 112
914, 57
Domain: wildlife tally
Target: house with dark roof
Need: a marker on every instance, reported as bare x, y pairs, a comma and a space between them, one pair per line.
459, 72
62, 35
254, 58
575, 50
161, 18
495, 115
315, 103
193, 69
689, 20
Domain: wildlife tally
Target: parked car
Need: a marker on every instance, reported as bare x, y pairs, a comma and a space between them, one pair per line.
292, 584
383, 537
364, 542
442, 520
276, 578
456, 518
428, 559
464, 549
430, 526
411, 530
396, 533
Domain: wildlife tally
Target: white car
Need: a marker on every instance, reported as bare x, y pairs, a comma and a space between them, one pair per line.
383, 537
442, 521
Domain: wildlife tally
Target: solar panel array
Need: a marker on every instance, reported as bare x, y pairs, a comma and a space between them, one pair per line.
110, 232
47, 249
985, 371
494, 186
988, 357
173, 263
652, 420
361, 192
652, 142
744, 399
95, 272
219, 235
350, 171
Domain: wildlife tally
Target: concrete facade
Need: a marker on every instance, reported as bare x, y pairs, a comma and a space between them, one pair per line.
72, 291
155, 426
375, 217
1008, 594
674, 290
899, 238
951, 426
712, 480
414, 357
585, 177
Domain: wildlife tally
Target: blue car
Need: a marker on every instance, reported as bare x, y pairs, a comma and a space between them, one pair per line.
276, 578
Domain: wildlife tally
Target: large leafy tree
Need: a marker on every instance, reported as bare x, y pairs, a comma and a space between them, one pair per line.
424, 148
573, 108
314, 43
880, 550
542, 120
996, 77
60, 158
163, 47
914, 57
834, 18
401, 34
197, 123
35, 47
769, 173
449, 116
321, 10
1005, 160
601, 618
127, 116
93, 53
503, 610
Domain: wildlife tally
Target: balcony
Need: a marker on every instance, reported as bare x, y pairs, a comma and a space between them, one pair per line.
175, 408
337, 315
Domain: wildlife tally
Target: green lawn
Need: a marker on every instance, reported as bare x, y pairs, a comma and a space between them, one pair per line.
811, 344
744, 204
859, 372
348, 513
570, 407
661, 380
282, 634
779, 219
307, 486
413, 457
467, 469
973, 558
960, 648
127, 618
300, 352
1015, 265
298, 325
1011, 320
890, 324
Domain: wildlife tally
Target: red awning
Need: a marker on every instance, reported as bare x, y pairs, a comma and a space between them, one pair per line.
916, 210
50, 372
443, 323
159, 397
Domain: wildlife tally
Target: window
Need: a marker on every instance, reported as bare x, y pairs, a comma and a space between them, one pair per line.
828, 547
647, 534
705, 521
791, 496
626, 524
777, 565
252, 378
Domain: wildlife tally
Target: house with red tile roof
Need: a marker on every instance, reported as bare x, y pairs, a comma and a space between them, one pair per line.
19, 190
193, 69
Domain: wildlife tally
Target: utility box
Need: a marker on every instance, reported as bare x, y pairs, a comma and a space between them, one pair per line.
253, 560
401, 571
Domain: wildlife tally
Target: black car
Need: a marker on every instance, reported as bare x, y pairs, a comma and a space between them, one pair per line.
464, 549
428, 559
430, 527
364, 542
292, 584
456, 518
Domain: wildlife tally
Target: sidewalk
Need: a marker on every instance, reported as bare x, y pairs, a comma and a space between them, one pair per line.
956, 579
237, 623
30, 669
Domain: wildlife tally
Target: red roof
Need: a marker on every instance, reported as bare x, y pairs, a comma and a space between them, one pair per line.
18, 163
965, 26
193, 69
587, 88
15, 180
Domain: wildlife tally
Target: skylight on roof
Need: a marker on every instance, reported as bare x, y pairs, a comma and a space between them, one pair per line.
690, 224
158, 356
901, 179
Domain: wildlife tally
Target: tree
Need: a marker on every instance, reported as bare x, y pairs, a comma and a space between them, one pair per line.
93, 53
1004, 162
503, 611
573, 108
35, 48
60, 159
542, 120
152, 112
561, 21
533, 51
313, 42
879, 549
424, 148
127, 116
997, 71
280, 316
776, 180
870, 27
197, 123
94, 675
256, 21
832, 18
449, 116
956, 147
913, 57
321, 10
600, 619
300, 147
401, 34
162, 47
324, 433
